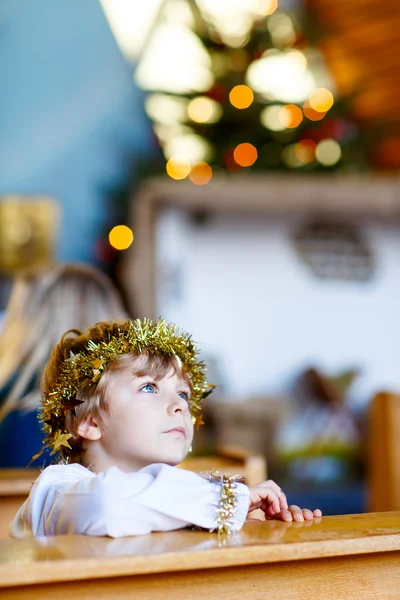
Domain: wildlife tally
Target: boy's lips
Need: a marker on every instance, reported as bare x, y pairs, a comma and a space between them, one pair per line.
181, 430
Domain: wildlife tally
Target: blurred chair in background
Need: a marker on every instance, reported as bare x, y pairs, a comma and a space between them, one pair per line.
42, 306
384, 453
230, 460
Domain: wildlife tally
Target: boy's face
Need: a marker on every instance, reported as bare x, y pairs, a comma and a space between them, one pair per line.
148, 421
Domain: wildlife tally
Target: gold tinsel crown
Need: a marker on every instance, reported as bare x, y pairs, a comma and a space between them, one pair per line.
86, 368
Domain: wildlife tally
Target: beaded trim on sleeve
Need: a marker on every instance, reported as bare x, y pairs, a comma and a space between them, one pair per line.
227, 503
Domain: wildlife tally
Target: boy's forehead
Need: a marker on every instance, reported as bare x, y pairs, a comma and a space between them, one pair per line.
141, 365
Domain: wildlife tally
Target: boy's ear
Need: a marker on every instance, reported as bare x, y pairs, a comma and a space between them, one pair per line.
89, 429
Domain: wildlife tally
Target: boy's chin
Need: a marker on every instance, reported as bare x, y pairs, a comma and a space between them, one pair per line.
173, 459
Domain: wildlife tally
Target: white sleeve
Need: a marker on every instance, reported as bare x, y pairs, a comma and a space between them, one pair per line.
70, 499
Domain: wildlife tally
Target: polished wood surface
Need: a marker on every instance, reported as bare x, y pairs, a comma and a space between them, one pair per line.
368, 577
383, 460
72, 558
17, 482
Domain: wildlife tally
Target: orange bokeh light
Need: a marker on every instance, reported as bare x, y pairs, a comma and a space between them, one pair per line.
305, 151
200, 173
241, 96
245, 154
312, 114
290, 116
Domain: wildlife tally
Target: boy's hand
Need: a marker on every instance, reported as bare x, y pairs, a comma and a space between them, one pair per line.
269, 497
295, 513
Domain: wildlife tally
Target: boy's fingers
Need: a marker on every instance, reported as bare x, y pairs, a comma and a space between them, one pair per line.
270, 508
297, 513
265, 494
272, 486
286, 515
283, 502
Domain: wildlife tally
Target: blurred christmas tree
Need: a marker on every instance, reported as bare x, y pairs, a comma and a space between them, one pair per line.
252, 93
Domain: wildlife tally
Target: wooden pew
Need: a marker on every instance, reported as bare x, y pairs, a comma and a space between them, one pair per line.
14, 488
355, 557
383, 459
16, 483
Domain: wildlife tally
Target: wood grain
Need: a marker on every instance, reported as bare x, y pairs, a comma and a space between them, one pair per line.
370, 577
384, 452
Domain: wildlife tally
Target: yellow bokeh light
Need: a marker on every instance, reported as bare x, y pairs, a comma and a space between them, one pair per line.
321, 100
178, 168
204, 110
290, 116
201, 173
305, 151
245, 154
267, 7
328, 152
241, 96
121, 237
269, 117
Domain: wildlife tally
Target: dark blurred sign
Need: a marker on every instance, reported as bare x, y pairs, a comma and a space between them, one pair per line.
335, 251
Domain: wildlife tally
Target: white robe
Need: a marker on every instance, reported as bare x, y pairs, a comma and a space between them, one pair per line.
68, 499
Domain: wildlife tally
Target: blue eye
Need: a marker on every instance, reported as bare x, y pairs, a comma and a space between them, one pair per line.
184, 396
149, 388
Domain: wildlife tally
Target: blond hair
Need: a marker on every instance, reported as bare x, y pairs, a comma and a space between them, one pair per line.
41, 308
92, 400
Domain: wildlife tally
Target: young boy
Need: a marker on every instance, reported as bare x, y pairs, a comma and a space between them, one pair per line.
119, 405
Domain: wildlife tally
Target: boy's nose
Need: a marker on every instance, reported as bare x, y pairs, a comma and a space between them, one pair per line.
178, 405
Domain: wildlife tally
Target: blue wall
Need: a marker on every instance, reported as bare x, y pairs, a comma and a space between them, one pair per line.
70, 113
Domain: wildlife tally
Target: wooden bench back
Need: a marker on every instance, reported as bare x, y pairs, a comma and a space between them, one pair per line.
384, 453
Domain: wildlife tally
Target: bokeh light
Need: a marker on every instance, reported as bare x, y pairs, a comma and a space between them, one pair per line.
174, 60
166, 109
290, 116
305, 151
266, 7
204, 110
177, 168
321, 100
289, 157
121, 237
241, 96
187, 147
201, 173
281, 28
269, 117
281, 76
245, 154
311, 114
328, 152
